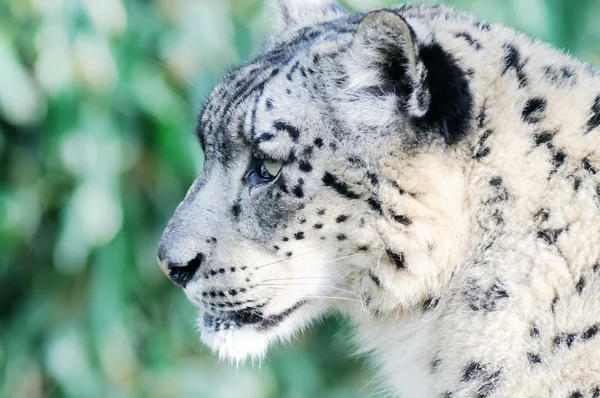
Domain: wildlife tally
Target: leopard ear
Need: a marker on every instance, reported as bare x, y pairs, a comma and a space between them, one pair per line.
385, 51
400, 56
293, 14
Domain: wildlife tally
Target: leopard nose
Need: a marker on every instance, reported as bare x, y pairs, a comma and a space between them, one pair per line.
181, 273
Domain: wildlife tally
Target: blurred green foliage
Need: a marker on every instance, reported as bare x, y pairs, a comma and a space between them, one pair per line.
97, 106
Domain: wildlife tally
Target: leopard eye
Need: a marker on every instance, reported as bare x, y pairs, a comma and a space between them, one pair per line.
263, 171
272, 167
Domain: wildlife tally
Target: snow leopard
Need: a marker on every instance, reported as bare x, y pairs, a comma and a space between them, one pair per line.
432, 176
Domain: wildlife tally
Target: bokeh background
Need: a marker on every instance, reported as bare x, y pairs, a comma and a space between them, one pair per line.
97, 106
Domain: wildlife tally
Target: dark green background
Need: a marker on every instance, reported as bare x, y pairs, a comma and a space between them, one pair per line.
97, 106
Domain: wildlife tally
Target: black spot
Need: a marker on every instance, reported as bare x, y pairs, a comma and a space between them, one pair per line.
587, 166
298, 191
221, 270
339, 186
318, 226
213, 294
302, 221
375, 279
375, 205
487, 378
402, 219
341, 237
543, 138
594, 120
233, 292
576, 394
341, 218
285, 239
355, 160
576, 182
550, 236
554, 302
291, 130
534, 332
236, 209
373, 178
596, 268
451, 99
542, 215
269, 104
319, 142
264, 137
512, 60
558, 75
472, 371
305, 166
299, 235
534, 109
580, 285
590, 333
482, 152
430, 303
276, 247
596, 392
397, 258
472, 42
485, 300
533, 359
363, 248
498, 216
288, 254
321, 212
564, 339
496, 181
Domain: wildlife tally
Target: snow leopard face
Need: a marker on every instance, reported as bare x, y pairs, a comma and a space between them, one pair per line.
296, 209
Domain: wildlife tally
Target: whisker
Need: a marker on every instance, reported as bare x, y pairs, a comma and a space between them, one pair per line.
342, 258
307, 284
319, 297
174, 71
290, 258
298, 277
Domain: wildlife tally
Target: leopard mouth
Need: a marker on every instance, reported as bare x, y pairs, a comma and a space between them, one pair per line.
248, 333
249, 318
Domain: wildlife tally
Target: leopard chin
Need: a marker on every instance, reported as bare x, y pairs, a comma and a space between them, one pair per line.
238, 336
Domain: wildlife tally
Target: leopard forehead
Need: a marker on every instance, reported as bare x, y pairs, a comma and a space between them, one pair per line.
273, 105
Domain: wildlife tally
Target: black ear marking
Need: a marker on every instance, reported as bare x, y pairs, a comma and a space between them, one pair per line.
430, 85
451, 99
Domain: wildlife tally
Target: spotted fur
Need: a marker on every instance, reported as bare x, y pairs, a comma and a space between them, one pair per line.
439, 186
